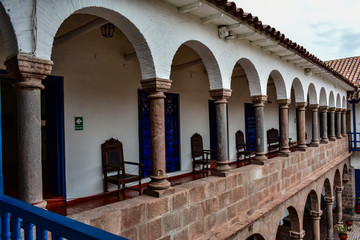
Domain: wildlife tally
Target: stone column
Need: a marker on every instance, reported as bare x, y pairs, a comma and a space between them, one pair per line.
29, 72
159, 185
222, 161
343, 122
330, 229
316, 224
324, 134
332, 136
301, 107
315, 125
258, 102
297, 235
338, 191
338, 123
284, 115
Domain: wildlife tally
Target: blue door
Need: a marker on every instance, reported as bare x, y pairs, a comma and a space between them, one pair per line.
357, 182
250, 132
213, 128
53, 137
172, 136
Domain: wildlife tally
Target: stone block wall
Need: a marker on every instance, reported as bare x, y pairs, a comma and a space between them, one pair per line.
349, 191
199, 207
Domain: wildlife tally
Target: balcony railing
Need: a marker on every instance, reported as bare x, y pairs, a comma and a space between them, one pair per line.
16, 214
354, 141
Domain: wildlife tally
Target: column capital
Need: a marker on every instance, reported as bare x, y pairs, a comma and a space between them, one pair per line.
28, 71
301, 105
343, 110
316, 214
339, 189
156, 85
258, 100
329, 200
297, 235
338, 110
284, 103
220, 95
314, 107
323, 109
332, 109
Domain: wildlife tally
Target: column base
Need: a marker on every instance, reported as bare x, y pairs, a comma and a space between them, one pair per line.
42, 204
338, 136
284, 152
301, 147
314, 144
332, 138
324, 141
220, 174
159, 183
344, 135
159, 193
221, 167
259, 159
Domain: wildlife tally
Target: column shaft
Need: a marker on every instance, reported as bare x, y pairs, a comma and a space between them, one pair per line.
330, 229
315, 125
301, 126
260, 130
156, 88
338, 123
332, 136
284, 115
316, 224
338, 191
28, 72
343, 123
222, 161
324, 134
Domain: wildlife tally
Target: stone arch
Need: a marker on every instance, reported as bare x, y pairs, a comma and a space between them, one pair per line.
328, 188
7, 34
337, 179
345, 173
298, 90
130, 31
255, 236
343, 105
252, 76
312, 94
331, 99
315, 202
294, 218
323, 98
209, 61
279, 84
338, 101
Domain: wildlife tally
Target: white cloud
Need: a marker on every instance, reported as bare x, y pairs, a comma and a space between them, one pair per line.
327, 28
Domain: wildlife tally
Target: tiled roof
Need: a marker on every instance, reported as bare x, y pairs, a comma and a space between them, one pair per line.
232, 9
348, 67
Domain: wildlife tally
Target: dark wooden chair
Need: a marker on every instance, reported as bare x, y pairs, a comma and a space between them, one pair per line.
243, 150
199, 155
113, 162
273, 140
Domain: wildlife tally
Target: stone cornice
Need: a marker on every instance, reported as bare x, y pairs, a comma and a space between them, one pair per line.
220, 95
258, 100
28, 71
156, 85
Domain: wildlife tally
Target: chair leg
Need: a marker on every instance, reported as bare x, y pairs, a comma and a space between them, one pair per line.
140, 191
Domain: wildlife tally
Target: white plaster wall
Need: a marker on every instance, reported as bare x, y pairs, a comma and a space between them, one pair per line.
192, 87
102, 88
236, 112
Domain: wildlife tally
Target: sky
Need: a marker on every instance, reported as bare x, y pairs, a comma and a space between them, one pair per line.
329, 29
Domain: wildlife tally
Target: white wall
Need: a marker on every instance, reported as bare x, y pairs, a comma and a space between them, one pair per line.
101, 87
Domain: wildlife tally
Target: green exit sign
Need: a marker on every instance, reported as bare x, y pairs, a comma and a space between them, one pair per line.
79, 123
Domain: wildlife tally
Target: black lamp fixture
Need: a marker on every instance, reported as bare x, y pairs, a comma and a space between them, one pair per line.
354, 97
107, 30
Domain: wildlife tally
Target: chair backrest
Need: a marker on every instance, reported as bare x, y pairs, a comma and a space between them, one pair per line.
196, 145
112, 155
239, 139
273, 135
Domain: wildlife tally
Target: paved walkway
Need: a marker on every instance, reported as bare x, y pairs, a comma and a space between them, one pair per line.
355, 233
